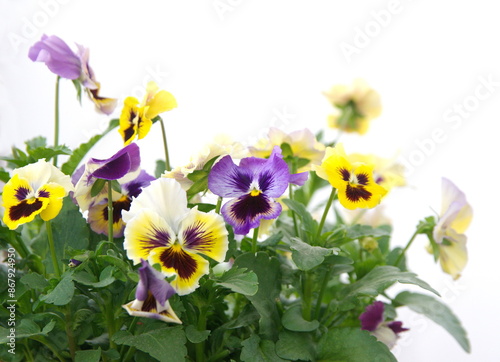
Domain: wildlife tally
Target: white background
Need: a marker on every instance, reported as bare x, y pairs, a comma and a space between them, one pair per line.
236, 66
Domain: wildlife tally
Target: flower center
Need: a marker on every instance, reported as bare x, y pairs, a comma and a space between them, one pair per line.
255, 189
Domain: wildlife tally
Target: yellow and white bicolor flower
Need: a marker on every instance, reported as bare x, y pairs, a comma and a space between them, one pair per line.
35, 189
161, 228
454, 219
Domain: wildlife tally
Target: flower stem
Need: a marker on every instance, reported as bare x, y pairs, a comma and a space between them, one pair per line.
306, 296
254, 239
294, 217
165, 146
110, 212
326, 278
56, 118
219, 203
325, 213
400, 257
53, 255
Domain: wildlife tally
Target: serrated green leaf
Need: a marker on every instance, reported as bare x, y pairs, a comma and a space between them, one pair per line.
48, 152
257, 350
306, 256
36, 143
352, 345
105, 279
293, 321
359, 231
239, 280
27, 328
195, 336
92, 355
153, 343
78, 154
437, 312
380, 278
295, 346
62, 293
34, 281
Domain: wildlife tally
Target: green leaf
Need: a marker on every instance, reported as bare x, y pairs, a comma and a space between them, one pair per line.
194, 335
97, 187
295, 346
380, 278
308, 223
293, 321
4, 175
78, 87
268, 271
359, 231
306, 256
257, 350
77, 156
161, 167
26, 328
92, 355
35, 143
106, 278
239, 280
62, 293
352, 345
34, 281
49, 152
154, 343
437, 312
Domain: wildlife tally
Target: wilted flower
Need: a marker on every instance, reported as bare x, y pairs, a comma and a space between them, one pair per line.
123, 166
160, 228
355, 106
151, 296
64, 62
353, 181
35, 189
302, 144
455, 218
137, 118
372, 320
253, 185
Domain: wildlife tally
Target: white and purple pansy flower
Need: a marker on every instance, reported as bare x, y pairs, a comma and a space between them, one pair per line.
372, 320
152, 295
253, 186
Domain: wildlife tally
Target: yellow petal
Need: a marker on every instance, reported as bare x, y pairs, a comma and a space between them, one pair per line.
128, 120
161, 102
453, 258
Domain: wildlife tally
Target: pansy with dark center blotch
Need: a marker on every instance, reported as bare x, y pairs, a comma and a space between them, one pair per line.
162, 229
35, 189
151, 296
253, 186
353, 181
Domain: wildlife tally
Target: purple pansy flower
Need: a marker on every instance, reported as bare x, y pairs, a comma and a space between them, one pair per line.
253, 185
123, 166
151, 296
372, 320
58, 57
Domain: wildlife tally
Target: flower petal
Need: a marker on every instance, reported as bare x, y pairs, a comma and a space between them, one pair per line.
161, 102
55, 193
126, 160
154, 282
164, 312
228, 180
128, 122
245, 212
453, 258
98, 216
204, 233
146, 232
188, 267
373, 316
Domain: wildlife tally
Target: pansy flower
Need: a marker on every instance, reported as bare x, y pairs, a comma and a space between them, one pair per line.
372, 320
123, 166
162, 229
253, 186
64, 62
35, 189
151, 296
303, 145
353, 181
98, 212
137, 118
355, 105
455, 218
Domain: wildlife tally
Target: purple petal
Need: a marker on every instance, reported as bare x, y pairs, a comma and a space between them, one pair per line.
397, 327
77, 174
57, 55
88, 77
273, 176
134, 187
372, 317
228, 180
154, 282
124, 161
299, 178
245, 212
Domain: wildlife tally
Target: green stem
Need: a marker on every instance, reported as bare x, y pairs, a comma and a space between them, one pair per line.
56, 118
294, 217
400, 257
53, 255
110, 324
326, 278
325, 213
69, 332
254, 239
46, 343
19, 245
219, 203
110, 212
202, 325
165, 146
307, 296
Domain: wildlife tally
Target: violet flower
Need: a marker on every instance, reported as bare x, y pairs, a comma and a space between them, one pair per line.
151, 296
372, 320
253, 187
